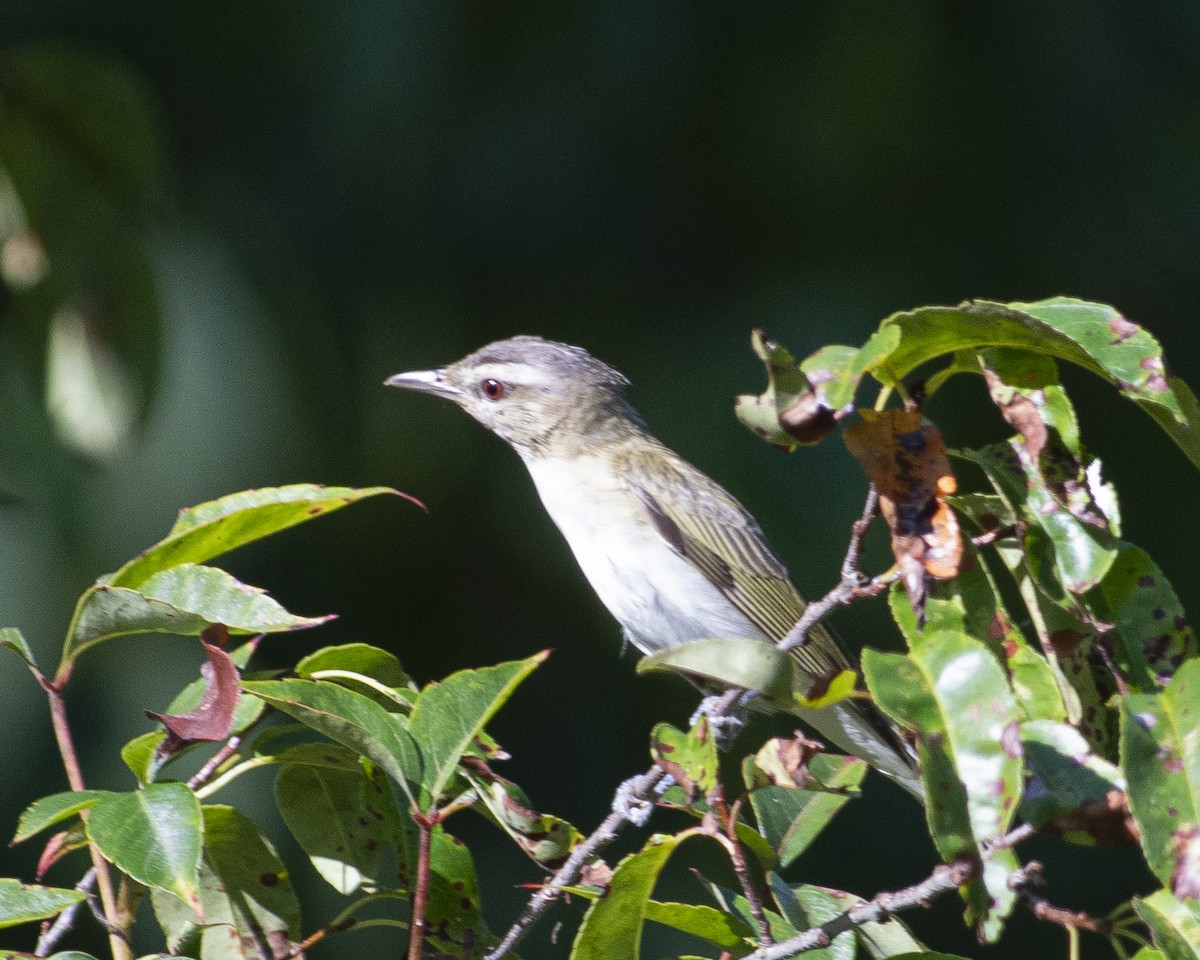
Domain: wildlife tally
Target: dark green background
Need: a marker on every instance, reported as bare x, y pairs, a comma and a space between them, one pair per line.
368, 186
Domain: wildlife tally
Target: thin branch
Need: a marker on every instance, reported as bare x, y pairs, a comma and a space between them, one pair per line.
1031, 875
853, 584
416, 933
945, 877
568, 873
65, 920
118, 939
203, 775
737, 855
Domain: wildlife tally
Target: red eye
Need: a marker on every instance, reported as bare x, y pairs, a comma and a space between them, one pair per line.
492, 389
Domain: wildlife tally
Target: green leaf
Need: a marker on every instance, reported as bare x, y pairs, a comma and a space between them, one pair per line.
1175, 926
1093, 335
350, 719
1155, 637
951, 693
1068, 544
54, 809
342, 816
803, 402
181, 601
791, 819
249, 907
26, 902
138, 754
547, 839
1185, 433
707, 923
805, 907
361, 658
1160, 753
218, 526
12, 639
1065, 775
453, 910
786, 384
883, 940
449, 715
747, 664
690, 758
154, 835
612, 926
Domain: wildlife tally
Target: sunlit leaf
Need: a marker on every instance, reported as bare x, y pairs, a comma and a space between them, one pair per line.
350, 719
613, 925
53, 809
951, 693
1071, 792
218, 526
791, 817
154, 835
689, 758
250, 909
449, 715
342, 816
183, 600
746, 664
546, 839
1175, 926
1160, 753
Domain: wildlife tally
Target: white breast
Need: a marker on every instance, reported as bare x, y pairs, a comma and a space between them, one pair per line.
658, 597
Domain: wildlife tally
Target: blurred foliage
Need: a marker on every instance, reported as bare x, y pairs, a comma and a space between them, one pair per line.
353, 189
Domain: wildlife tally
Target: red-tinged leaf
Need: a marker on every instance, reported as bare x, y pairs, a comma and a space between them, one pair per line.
212, 719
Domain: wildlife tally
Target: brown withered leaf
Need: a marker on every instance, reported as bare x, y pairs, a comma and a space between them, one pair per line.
904, 456
213, 717
1106, 820
784, 762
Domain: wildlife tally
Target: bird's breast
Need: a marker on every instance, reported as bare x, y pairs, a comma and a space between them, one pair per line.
659, 598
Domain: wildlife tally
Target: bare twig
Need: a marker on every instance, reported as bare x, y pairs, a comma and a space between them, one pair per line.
945, 877
568, 873
118, 939
203, 775
1030, 876
65, 920
853, 584
736, 854
416, 935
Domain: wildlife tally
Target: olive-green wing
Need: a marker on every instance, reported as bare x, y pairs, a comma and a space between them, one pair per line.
708, 527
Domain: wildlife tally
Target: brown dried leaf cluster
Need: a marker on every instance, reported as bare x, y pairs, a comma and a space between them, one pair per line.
904, 456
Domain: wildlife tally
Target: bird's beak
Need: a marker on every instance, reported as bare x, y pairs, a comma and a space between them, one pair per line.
425, 381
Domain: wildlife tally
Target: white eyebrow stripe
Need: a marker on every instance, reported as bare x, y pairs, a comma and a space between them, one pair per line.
516, 373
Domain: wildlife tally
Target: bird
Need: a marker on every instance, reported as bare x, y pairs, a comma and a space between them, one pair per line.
670, 553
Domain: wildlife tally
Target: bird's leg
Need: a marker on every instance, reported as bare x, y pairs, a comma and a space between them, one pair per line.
726, 715
635, 808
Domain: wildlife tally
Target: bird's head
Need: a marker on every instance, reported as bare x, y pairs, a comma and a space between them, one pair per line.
536, 394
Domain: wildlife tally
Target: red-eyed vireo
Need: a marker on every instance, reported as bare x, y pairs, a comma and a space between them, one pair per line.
671, 555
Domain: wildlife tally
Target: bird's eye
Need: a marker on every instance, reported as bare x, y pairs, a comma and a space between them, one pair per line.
492, 389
